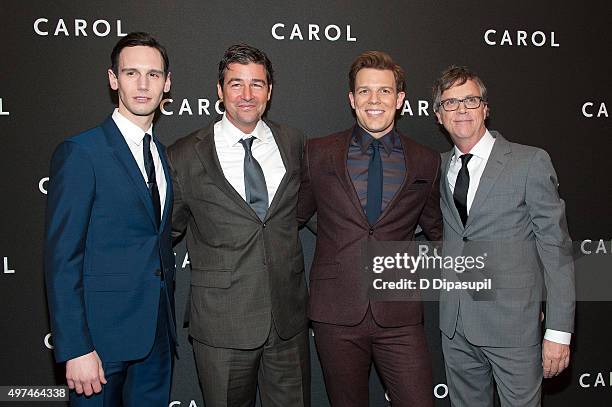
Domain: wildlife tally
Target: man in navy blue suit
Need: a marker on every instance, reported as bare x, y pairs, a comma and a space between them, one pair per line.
108, 262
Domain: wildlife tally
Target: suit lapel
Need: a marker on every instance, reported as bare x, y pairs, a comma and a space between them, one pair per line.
283, 147
168, 202
339, 157
447, 195
500, 155
126, 160
207, 153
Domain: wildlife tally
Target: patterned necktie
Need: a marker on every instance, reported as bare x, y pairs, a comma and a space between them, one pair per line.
461, 187
254, 181
375, 182
151, 180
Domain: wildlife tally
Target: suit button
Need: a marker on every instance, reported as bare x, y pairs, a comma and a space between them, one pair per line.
371, 231
158, 272
465, 239
264, 225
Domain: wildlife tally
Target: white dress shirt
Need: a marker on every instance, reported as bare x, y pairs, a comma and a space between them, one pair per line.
134, 136
264, 149
481, 152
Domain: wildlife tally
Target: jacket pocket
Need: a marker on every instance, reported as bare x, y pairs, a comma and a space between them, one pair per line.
215, 278
418, 184
108, 282
513, 280
324, 271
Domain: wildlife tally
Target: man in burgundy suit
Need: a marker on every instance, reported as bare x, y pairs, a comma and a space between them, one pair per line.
368, 183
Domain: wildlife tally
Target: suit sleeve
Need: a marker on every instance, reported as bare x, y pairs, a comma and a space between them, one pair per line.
69, 204
180, 209
547, 213
431, 215
307, 205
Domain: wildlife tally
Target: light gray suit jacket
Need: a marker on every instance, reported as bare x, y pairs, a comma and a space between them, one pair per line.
518, 219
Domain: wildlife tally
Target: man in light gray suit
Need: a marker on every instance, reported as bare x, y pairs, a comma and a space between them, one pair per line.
500, 197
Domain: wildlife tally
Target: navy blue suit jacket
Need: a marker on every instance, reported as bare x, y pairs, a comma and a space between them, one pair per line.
104, 255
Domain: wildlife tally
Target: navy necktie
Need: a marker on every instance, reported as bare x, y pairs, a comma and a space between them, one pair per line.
151, 180
375, 184
461, 188
256, 192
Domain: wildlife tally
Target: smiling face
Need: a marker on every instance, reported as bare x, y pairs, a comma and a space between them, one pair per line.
376, 100
465, 126
245, 94
140, 83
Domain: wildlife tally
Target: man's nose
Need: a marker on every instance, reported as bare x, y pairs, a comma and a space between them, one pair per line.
247, 93
374, 98
143, 82
462, 108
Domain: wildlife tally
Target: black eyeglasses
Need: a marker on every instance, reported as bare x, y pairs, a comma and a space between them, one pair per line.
470, 102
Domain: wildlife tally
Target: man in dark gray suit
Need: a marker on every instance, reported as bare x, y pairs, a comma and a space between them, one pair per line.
236, 183
501, 198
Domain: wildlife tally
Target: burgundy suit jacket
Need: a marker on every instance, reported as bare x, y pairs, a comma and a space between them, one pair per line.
338, 293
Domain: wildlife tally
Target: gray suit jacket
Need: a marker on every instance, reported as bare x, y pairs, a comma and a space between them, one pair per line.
518, 219
245, 274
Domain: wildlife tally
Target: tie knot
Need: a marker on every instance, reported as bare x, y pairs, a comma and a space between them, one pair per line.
465, 158
147, 138
375, 144
247, 143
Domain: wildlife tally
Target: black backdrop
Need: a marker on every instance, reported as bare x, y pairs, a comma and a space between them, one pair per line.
546, 64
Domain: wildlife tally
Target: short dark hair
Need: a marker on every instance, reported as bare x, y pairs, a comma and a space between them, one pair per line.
377, 60
245, 54
455, 75
135, 39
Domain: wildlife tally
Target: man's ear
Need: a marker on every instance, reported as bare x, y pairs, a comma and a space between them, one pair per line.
112, 80
220, 92
168, 82
352, 99
400, 99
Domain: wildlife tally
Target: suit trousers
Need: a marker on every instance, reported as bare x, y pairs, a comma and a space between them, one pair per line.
400, 356
281, 369
142, 382
471, 371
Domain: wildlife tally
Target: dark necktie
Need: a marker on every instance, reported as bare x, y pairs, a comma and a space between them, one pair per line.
254, 181
461, 187
375, 182
151, 180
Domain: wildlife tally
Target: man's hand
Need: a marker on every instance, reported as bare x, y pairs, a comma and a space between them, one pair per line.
555, 358
85, 374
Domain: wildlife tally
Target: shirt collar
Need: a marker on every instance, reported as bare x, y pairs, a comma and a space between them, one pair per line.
131, 132
482, 149
363, 139
232, 135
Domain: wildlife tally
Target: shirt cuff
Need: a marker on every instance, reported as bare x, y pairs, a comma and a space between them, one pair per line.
561, 337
